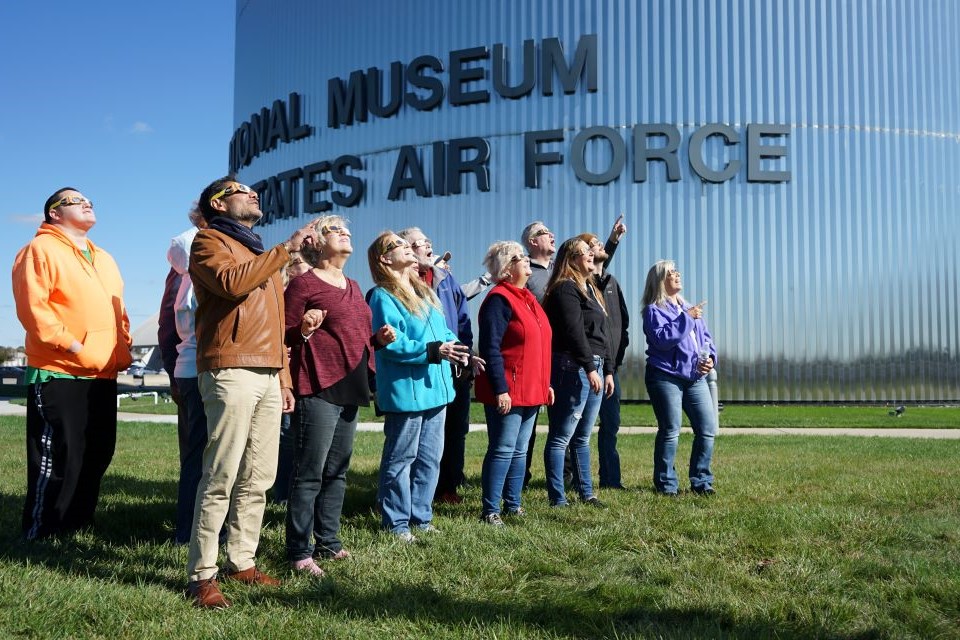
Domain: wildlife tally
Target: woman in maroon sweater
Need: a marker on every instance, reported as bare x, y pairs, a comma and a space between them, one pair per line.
515, 339
331, 361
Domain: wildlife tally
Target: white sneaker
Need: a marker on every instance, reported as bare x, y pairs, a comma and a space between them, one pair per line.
406, 536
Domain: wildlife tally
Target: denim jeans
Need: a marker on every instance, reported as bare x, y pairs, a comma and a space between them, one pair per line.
669, 394
409, 467
191, 456
456, 425
607, 437
572, 415
281, 486
503, 466
323, 435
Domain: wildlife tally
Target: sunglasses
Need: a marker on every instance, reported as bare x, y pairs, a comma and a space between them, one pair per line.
67, 200
399, 242
334, 228
542, 232
421, 243
231, 189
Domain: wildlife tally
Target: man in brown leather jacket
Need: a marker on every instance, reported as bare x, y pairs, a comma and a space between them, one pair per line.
244, 381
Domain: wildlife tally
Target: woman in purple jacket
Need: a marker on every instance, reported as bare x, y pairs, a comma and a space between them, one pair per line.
680, 352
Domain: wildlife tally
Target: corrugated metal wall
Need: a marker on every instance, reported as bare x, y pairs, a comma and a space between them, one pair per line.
841, 285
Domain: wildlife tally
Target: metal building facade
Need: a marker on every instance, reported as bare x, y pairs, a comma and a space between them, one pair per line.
838, 285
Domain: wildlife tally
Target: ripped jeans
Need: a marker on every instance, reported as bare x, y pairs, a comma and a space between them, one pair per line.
572, 415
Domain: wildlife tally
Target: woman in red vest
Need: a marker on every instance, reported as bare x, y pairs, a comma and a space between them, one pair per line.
515, 339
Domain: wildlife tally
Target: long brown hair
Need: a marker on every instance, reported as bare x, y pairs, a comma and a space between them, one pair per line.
564, 270
416, 302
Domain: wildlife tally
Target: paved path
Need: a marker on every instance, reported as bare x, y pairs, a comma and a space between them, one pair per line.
7, 408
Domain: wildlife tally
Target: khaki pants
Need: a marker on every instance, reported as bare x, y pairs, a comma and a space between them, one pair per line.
243, 408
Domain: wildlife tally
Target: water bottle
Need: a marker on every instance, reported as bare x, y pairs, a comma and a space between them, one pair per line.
704, 354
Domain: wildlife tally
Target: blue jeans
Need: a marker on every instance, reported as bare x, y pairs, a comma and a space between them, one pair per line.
456, 425
323, 435
607, 437
505, 462
571, 417
191, 456
669, 394
281, 486
409, 468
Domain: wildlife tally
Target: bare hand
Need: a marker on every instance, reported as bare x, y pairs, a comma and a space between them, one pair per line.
596, 382
479, 364
286, 400
305, 235
618, 230
504, 404
696, 312
706, 366
608, 386
312, 320
455, 352
551, 397
385, 335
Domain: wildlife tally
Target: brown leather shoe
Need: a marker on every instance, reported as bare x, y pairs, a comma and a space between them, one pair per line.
206, 594
252, 576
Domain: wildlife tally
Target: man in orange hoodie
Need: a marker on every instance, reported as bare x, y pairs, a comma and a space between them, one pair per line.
69, 298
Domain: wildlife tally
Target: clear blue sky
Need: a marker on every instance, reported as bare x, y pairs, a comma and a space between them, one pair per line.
131, 102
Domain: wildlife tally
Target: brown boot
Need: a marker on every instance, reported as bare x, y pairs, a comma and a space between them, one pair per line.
206, 594
252, 576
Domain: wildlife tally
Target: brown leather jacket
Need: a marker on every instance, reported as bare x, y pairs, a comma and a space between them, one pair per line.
239, 320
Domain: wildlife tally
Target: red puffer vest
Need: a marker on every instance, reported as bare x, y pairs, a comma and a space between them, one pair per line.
526, 349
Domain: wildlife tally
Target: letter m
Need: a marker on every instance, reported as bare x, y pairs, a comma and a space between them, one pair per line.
584, 63
346, 103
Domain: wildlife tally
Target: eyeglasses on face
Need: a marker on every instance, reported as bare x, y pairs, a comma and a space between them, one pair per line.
230, 189
581, 252
673, 272
393, 244
519, 258
68, 200
423, 242
334, 228
541, 232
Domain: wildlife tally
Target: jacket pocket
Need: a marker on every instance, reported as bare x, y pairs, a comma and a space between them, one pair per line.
98, 348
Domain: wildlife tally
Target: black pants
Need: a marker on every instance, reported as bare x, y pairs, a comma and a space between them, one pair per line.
455, 429
71, 436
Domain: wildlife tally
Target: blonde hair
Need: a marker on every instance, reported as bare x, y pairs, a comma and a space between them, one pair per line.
564, 270
654, 293
312, 254
499, 256
417, 301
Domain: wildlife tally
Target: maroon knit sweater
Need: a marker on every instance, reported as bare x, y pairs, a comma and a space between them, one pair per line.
335, 349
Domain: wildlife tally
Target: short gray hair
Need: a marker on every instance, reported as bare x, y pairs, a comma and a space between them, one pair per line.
528, 231
499, 256
312, 253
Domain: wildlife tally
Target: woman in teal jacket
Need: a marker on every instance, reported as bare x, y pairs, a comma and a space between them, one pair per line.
414, 385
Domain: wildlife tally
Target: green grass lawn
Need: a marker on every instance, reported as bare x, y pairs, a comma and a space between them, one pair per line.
808, 537
734, 415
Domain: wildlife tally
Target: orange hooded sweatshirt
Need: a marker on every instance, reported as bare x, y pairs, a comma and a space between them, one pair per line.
62, 297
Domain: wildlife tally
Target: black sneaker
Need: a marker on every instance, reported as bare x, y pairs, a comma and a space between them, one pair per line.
704, 491
594, 501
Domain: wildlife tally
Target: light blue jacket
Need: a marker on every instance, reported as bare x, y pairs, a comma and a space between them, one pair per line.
406, 380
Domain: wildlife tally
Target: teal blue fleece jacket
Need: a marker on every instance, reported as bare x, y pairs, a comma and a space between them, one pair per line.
407, 380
